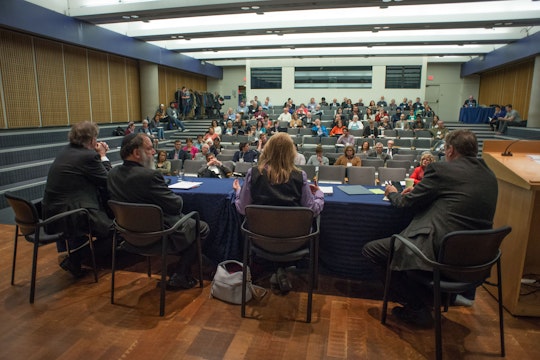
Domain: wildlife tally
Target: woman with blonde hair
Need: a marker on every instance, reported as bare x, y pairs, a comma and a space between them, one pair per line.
418, 173
277, 181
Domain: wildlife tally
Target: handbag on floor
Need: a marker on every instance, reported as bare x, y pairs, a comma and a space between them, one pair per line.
227, 283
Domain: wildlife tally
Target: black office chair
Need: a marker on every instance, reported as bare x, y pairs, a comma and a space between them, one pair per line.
30, 225
143, 231
292, 240
464, 263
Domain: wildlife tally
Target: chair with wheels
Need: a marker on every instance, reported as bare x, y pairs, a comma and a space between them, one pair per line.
295, 239
30, 225
464, 262
148, 238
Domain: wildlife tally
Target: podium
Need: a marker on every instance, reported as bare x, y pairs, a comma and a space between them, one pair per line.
518, 205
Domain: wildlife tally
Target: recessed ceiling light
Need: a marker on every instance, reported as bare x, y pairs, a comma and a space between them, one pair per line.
245, 8
255, 7
125, 17
173, 36
134, 16
268, 31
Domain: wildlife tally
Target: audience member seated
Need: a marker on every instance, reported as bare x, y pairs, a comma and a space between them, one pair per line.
365, 148
439, 133
243, 110
259, 129
378, 152
337, 130
499, 113
380, 114
302, 111
402, 123
260, 113
418, 123
418, 173
190, 148
390, 149
130, 128
417, 106
392, 106
229, 129
318, 129
178, 152
162, 164
427, 112
338, 116
285, 115
382, 102
299, 158
174, 117
395, 118
511, 118
296, 122
244, 154
404, 105
346, 138
385, 124
371, 131
243, 128
156, 127
162, 112
201, 155
231, 115
216, 148
145, 129
275, 128
323, 102
317, 112
199, 142
355, 124
318, 159
348, 158
263, 139
335, 104
213, 168
267, 105
312, 104
368, 115
360, 102
217, 128
372, 106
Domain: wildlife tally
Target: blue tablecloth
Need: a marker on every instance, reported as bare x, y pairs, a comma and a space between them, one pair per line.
476, 115
347, 223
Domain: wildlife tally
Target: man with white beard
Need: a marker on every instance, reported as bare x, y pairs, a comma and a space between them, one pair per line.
136, 181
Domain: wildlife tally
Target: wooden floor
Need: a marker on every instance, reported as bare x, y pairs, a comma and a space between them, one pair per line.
75, 320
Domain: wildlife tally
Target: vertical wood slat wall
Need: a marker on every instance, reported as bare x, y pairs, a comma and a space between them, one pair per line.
508, 85
48, 83
171, 80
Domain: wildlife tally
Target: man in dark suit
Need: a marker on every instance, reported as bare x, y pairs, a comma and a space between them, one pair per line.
137, 181
457, 194
78, 179
178, 153
390, 149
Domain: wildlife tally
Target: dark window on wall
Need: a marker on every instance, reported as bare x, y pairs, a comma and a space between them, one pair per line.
332, 77
403, 77
266, 78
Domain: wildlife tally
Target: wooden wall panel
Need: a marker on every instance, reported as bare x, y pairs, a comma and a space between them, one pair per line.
3, 123
18, 80
51, 84
99, 87
164, 97
134, 90
78, 92
118, 84
508, 85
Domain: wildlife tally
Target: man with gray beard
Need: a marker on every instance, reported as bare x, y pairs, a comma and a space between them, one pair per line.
136, 181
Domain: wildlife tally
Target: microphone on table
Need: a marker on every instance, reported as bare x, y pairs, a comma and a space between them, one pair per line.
507, 150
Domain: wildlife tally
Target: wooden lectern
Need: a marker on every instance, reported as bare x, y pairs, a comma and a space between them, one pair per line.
518, 205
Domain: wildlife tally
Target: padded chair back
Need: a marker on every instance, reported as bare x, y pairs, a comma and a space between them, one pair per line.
332, 174
26, 215
391, 174
410, 157
361, 175
374, 162
309, 170
176, 165
405, 164
191, 167
243, 167
471, 249
128, 222
225, 157
294, 222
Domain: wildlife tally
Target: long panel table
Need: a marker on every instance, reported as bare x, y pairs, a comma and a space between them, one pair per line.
476, 115
347, 223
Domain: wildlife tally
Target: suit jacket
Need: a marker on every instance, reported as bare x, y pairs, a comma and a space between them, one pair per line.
373, 154
455, 195
133, 183
182, 155
78, 179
